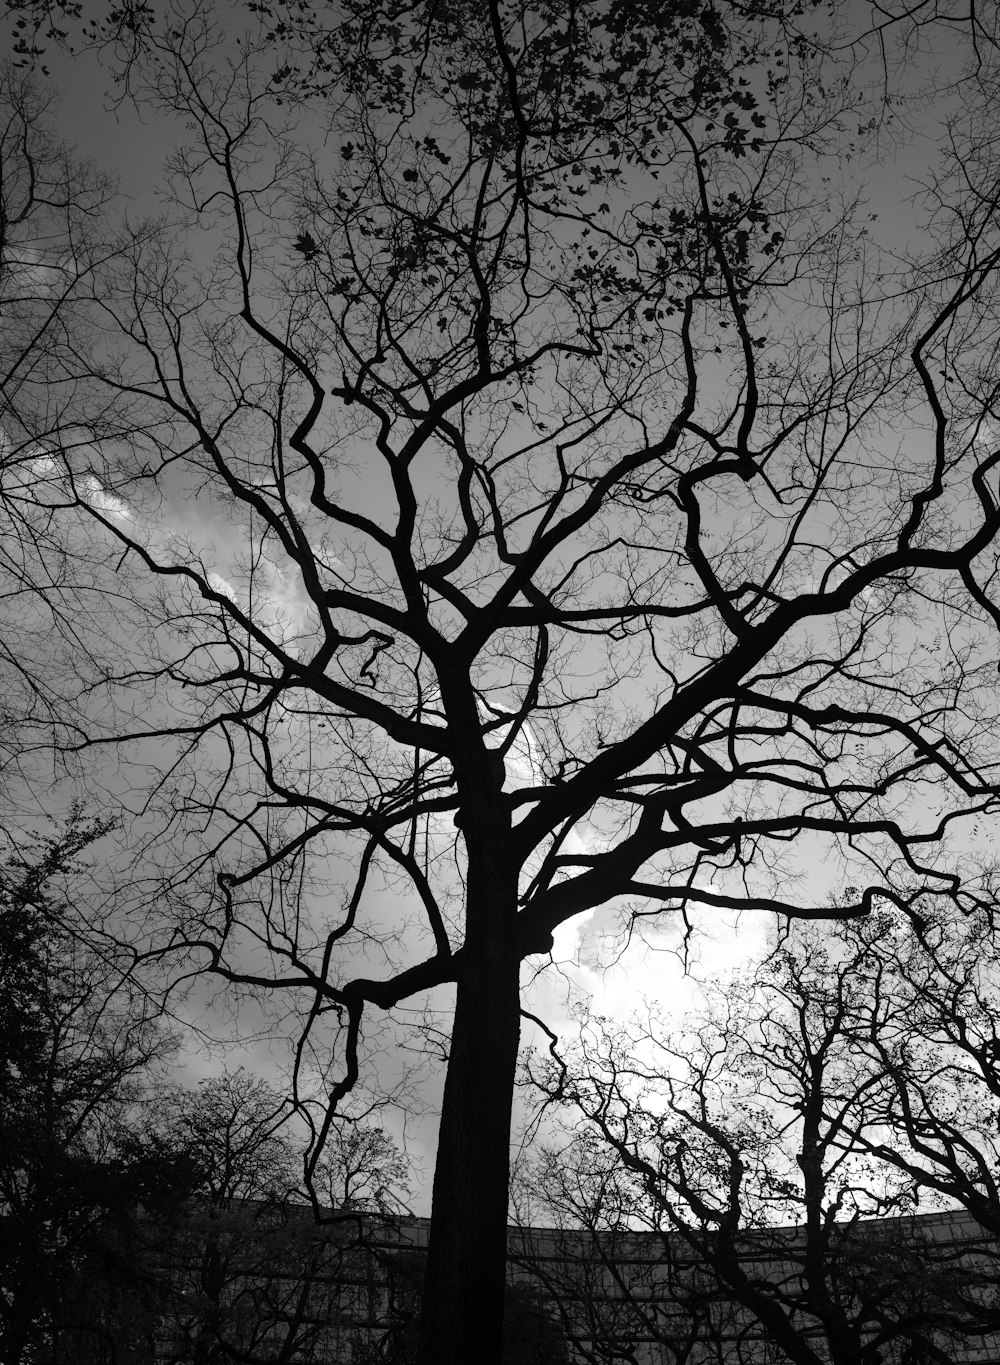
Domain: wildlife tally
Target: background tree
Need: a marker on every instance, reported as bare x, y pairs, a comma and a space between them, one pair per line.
611, 534
216, 1260
363, 1170
78, 1043
922, 1028
755, 1143
616, 1288
245, 1272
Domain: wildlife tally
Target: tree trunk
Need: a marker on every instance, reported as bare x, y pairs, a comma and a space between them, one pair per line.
462, 1308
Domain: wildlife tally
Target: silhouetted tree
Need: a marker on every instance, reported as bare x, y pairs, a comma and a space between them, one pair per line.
754, 1144
246, 1272
77, 1045
611, 533
923, 1028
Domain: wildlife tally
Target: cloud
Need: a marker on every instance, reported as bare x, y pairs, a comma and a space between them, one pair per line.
43, 468
27, 273
664, 967
987, 433
222, 585
108, 504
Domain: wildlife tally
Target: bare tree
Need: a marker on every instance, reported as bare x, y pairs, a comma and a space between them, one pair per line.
363, 1170
924, 1026
622, 1291
747, 1145
244, 1271
612, 531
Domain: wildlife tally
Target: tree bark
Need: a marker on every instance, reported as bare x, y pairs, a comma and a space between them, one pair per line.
462, 1307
